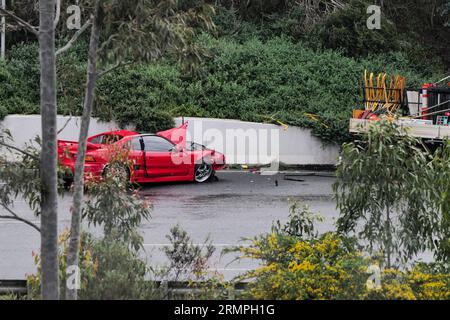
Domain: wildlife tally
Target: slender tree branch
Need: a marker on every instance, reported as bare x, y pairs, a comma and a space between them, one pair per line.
14, 216
65, 125
91, 78
57, 14
74, 38
20, 21
114, 68
19, 150
105, 43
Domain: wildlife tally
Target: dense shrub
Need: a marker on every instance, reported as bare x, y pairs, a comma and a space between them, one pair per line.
251, 80
8, 82
346, 30
109, 270
230, 25
419, 283
142, 96
328, 268
119, 274
71, 68
297, 263
254, 80
24, 66
18, 93
20, 78
297, 270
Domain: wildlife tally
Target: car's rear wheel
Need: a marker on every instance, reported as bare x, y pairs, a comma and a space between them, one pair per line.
203, 172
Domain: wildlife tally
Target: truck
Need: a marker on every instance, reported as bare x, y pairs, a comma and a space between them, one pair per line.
423, 113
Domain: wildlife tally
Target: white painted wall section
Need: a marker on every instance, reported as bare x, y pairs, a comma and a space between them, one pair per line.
241, 142
258, 143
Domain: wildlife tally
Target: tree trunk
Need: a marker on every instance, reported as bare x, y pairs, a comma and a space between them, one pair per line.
48, 167
388, 243
74, 245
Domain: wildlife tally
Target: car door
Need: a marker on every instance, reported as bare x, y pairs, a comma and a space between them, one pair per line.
162, 159
136, 156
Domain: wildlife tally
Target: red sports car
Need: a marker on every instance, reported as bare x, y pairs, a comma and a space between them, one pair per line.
161, 157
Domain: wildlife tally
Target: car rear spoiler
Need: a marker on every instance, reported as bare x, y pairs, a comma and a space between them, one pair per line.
73, 144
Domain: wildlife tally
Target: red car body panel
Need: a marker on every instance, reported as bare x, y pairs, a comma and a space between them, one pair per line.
147, 165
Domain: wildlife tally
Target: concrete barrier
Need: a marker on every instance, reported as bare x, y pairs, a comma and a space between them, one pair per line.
241, 142
26, 127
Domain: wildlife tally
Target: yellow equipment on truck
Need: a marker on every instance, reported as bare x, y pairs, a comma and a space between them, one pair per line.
424, 112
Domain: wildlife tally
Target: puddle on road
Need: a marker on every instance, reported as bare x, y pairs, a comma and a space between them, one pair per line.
201, 206
228, 196
237, 194
257, 197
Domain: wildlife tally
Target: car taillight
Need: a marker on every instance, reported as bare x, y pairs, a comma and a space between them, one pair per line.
90, 159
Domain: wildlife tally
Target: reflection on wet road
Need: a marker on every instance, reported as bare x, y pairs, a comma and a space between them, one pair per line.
239, 205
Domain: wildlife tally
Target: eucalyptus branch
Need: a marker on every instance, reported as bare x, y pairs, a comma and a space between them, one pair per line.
106, 42
114, 67
74, 38
19, 150
20, 21
57, 14
65, 124
14, 216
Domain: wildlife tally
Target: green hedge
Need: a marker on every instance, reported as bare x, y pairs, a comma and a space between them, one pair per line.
256, 79
142, 95
17, 87
252, 80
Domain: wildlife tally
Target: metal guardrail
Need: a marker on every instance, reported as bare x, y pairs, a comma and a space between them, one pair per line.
16, 287
169, 289
174, 290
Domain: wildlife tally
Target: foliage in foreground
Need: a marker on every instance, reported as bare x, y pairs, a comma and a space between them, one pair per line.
298, 266
114, 204
20, 177
109, 270
392, 194
110, 267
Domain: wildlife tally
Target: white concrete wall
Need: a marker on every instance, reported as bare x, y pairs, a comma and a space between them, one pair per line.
258, 143
26, 127
241, 142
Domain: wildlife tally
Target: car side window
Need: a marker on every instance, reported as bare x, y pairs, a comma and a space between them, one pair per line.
157, 144
97, 140
136, 144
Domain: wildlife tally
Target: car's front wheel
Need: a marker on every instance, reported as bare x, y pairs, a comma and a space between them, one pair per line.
203, 172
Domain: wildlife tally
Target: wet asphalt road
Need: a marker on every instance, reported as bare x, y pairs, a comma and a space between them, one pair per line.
239, 205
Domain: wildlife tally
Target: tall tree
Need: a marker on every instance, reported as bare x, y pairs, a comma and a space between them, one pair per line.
142, 30
48, 200
74, 242
49, 179
383, 193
